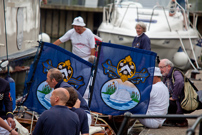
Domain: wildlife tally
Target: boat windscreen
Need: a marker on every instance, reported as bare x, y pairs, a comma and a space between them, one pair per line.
148, 3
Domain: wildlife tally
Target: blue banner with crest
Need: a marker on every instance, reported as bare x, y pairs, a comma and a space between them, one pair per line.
123, 80
75, 70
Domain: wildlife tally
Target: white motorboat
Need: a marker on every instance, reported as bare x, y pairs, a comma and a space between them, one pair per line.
169, 38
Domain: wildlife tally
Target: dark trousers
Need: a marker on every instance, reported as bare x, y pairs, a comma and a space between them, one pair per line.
174, 109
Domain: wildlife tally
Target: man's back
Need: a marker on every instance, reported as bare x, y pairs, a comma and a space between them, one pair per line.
158, 105
159, 99
58, 120
83, 105
84, 128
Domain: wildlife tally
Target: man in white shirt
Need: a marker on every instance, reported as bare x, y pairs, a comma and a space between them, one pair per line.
82, 39
159, 101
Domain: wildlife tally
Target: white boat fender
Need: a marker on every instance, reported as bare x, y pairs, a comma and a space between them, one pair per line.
180, 59
44, 37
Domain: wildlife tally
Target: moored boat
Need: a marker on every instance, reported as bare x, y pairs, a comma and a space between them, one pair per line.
170, 37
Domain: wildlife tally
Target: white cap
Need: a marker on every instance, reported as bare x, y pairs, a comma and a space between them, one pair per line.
78, 21
157, 72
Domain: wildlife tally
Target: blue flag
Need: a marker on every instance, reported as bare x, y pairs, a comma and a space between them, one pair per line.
123, 80
75, 70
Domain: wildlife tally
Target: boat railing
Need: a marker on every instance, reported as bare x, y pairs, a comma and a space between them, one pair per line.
128, 5
186, 26
184, 15
186, 21
194, 26
183, 47
190, 131
158, 6
108, 11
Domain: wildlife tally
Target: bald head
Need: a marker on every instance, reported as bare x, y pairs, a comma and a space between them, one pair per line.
60, 96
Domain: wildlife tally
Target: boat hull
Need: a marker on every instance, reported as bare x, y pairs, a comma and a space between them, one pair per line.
19, 28
168, 35
164, 47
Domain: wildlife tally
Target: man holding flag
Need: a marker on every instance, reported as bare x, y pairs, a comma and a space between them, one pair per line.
82, 39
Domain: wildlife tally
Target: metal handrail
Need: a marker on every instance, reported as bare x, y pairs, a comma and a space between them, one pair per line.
128, 5
125, 13
158, 6
185, 20
191, 131
196, 29
110, 8
186, 52
129, 115
104, 15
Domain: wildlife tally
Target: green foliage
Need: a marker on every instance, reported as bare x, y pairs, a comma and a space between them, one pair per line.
45, 90
135, 96
110, 89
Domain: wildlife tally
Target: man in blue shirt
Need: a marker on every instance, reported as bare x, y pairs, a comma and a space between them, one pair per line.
58, 120
84, 128
6, 100
55, 80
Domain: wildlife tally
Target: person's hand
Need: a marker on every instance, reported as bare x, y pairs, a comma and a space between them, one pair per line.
110, 117
11, 122
13, 132
171, 99
77, 104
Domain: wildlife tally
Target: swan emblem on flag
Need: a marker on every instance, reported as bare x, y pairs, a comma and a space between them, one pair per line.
120, 96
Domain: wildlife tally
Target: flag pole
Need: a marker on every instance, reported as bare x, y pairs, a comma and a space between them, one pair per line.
94, 76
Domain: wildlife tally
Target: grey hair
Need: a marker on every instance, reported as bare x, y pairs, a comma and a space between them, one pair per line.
141, 24
56, 74
168, 62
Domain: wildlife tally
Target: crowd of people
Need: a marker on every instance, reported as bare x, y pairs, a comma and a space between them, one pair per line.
71, 110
